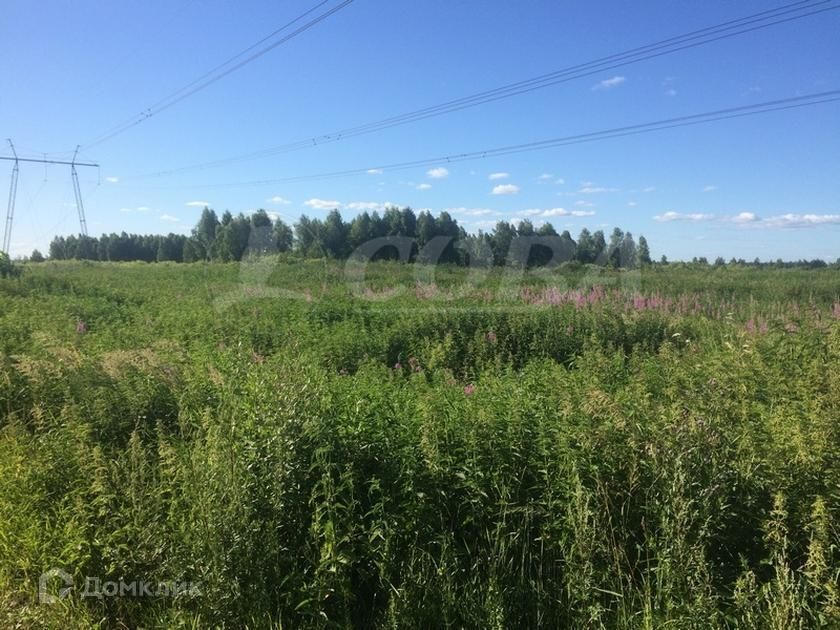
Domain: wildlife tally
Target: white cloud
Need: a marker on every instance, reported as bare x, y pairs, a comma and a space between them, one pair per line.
322, 204
126, 210
142, 209
555, 212
169, 217
606, 84
472, 212
677, 216
112, 180
279, 200
708, 188
423, 186
545, 177
751, 219
560, 181
632, 204
591, 190
800, 220
438, 173
505, 189
494, 176
586, 204
375, 171
196, 204
363, 206
649, 189
744, 217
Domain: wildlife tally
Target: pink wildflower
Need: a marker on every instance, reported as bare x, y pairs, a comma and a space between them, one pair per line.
81, 327
469, 390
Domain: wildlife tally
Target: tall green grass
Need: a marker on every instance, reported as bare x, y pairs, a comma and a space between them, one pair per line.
450, 456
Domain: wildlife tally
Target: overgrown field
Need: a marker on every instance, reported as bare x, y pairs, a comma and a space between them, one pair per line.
421, 447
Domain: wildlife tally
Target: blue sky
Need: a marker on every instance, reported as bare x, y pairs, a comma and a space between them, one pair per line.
763, 186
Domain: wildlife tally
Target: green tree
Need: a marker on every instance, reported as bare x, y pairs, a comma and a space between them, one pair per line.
36, 256
261, 238
614, 248
171, 247
585, 252
446, 226
501, 241
643, 252
599, 248
335, 235
283, 236
628, 252
408, 222
7, 267
425, 228
361, 231
309, 237
205, 230
232, 240
193, 251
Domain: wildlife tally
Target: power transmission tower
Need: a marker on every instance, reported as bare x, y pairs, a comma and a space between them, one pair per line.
10, 209
78, 192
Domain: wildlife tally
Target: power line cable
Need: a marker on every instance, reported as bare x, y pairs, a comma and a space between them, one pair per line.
214, 75
616, 132
750, 23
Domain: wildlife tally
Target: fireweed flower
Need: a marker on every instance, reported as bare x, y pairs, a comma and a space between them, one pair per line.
81, 327
469, 390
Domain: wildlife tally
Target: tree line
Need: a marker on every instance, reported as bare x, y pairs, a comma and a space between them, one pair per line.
397, 233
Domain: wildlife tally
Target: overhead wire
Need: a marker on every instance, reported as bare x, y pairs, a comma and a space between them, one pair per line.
616, 132
667, 46
214, 75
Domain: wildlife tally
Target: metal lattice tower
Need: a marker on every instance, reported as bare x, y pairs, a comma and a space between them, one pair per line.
10, 208
78, 192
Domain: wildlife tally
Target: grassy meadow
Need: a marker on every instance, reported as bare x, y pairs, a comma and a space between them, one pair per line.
316, 445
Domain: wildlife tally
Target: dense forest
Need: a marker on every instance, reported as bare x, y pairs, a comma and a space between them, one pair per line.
396, 234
